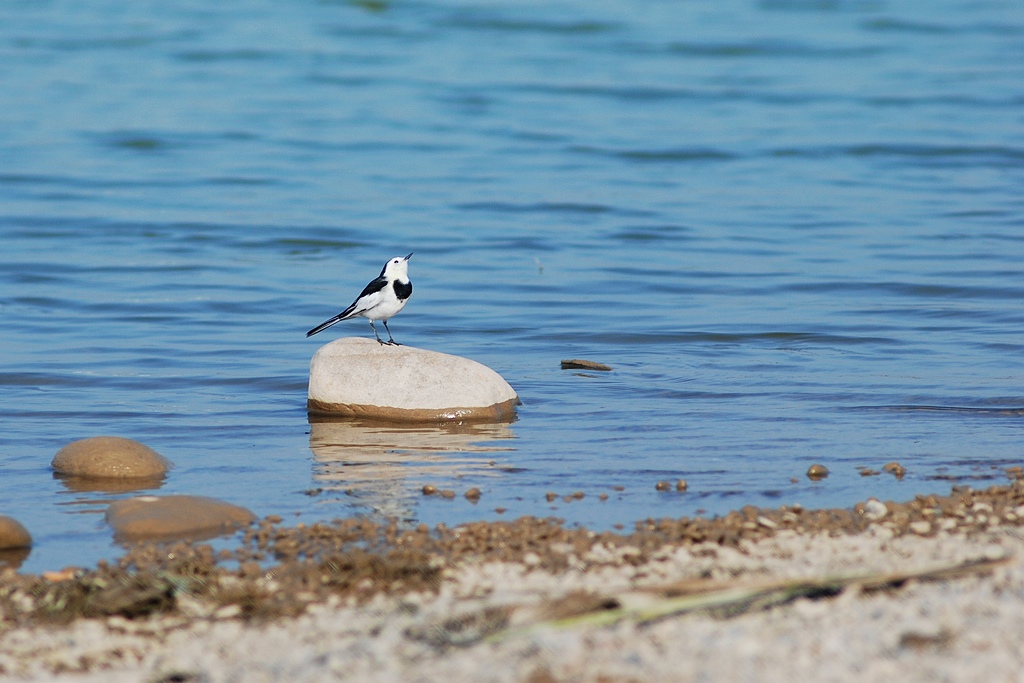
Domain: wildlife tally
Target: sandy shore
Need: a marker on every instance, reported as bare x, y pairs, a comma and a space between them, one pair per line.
928, 590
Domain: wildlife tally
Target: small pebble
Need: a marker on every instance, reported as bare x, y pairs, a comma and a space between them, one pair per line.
921, 527
875, 509
473, 494
681, 485
65, 574
895, 469
662, 486
429, 489
551, 496
227, 612
447, 493
816, 472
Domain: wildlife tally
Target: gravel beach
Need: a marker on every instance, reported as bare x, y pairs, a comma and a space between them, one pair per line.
931, 589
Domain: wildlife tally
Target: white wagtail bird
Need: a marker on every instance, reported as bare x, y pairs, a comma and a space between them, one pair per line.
382, 299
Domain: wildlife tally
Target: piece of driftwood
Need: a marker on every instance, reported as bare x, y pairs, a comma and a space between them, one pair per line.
580, 364
729, 600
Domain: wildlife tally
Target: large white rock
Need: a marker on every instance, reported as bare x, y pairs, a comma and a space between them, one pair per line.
359, 377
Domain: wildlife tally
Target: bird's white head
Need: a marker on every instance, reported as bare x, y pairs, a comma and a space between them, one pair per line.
397, 268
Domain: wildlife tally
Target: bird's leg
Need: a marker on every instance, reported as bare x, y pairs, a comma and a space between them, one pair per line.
391, 340
374, 328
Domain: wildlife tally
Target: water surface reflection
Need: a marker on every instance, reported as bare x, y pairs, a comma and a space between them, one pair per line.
384, 466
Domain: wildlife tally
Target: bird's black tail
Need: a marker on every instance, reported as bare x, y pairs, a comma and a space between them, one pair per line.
324, 325
344, 315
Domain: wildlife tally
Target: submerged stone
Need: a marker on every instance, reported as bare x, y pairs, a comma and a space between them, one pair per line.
110, 457
360, 378
164, 517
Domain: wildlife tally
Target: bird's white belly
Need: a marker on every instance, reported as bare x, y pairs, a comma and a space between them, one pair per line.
385, 308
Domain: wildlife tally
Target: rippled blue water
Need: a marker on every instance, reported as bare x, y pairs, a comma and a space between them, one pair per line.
794, 227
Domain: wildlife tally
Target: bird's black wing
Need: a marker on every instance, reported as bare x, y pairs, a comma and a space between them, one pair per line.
375, 286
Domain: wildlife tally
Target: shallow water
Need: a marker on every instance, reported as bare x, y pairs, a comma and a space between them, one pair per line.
794, 228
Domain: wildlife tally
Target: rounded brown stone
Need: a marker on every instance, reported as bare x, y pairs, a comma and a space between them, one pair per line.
110, 457
817, 471
13, 534
162, 517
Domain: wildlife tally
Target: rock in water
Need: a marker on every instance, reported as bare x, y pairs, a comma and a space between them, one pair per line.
166, 517
13, 534
110, 457
358, 377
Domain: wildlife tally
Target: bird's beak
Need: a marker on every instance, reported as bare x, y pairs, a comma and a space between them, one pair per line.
408, 257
